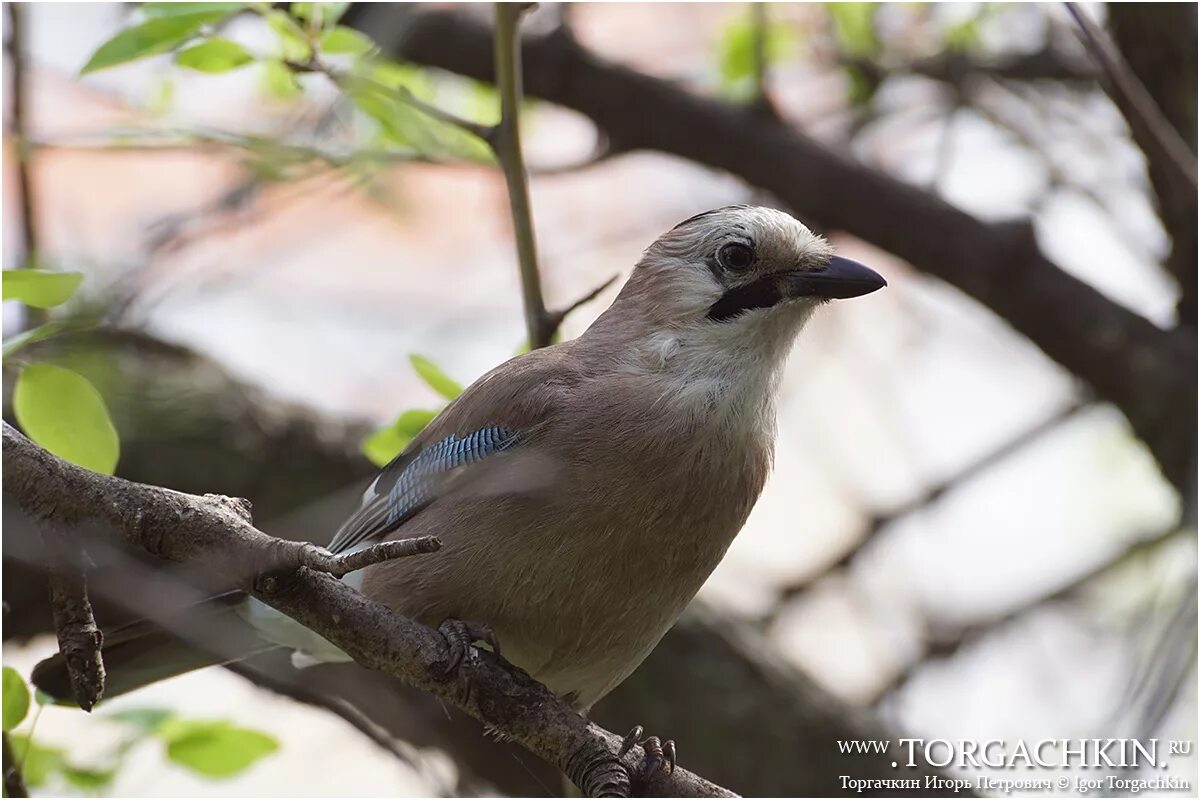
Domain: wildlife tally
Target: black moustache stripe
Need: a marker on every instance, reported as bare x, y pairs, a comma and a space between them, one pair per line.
763, 293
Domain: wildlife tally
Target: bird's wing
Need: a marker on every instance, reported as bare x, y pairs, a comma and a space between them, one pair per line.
498, 412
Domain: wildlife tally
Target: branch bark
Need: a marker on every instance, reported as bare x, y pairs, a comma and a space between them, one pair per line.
215, 532
1147, 372
79, 637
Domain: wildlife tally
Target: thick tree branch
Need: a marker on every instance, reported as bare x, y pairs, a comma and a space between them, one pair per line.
215, 532
1158, 42
1147, 372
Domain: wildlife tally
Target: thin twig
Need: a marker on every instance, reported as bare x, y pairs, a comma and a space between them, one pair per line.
338, 566
403, 94
945, 643
14, 781
507, 146
555, 318
1132, 98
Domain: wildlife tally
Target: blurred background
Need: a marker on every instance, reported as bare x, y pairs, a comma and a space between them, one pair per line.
981, 523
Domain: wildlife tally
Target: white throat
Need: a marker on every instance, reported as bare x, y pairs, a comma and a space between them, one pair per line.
727, 373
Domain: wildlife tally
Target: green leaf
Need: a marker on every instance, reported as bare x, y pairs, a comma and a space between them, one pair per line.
293, 40
279, 80
160, 10
15, 698
146, 720
432, 374
62, 411
964, 35
322, 14
386, 443
38, 288
413, 421
89, 780
854, 27
214, 55
736, 52
155, 35
37, 762
345, 41
15, 343
215, 749
862, 86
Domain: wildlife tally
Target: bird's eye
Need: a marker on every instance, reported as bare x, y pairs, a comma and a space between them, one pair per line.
735, 256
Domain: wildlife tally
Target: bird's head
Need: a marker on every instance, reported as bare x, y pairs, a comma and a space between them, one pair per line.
714, 305
737, 271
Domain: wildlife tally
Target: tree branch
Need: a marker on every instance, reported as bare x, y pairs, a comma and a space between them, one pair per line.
20, 132
79, 637
507, 146
1147, 372
926, 498
215, 532
1135, 103
946, 642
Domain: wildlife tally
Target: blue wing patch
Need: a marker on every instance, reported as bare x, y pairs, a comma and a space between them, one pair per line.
413, 481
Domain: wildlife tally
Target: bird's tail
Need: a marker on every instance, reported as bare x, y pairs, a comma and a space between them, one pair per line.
147, 651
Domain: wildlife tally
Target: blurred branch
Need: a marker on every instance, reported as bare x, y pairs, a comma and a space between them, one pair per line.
216, 532
1147, 372
1159, 44
1056, 176
760, 26
945, 643
297, 688
1169, 671
957, 67
1135, 103
927, 498
14, 781
20, 133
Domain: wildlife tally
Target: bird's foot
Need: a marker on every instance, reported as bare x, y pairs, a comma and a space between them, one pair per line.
460, 640
656, 752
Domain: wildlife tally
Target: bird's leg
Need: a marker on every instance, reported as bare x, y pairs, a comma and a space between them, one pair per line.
656, 752
460, 639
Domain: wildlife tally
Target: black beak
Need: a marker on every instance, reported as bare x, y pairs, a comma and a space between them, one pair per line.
840, 280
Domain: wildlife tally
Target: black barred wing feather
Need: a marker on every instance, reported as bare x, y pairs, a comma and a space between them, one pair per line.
413, 480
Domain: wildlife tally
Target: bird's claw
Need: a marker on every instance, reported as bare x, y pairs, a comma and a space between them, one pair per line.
656, 751
460, 640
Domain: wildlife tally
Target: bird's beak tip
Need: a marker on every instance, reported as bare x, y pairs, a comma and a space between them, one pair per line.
841, 279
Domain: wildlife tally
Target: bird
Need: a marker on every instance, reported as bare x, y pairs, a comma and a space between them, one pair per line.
583, 492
